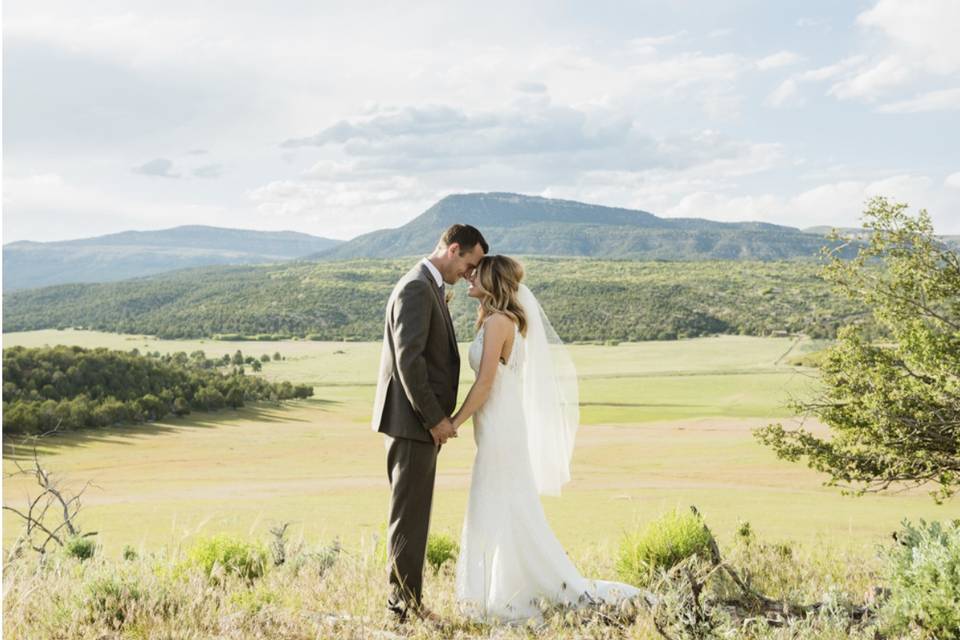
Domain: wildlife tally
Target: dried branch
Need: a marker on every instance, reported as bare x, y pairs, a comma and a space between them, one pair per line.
37, 533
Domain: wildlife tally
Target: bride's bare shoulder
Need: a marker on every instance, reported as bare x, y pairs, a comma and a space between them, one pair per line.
497, 320
498, 323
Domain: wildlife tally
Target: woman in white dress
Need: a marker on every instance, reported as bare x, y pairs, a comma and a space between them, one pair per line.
525, 413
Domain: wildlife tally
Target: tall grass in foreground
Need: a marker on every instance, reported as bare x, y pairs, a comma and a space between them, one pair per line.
328, 592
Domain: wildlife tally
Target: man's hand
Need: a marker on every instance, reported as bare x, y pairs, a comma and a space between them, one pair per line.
443, 431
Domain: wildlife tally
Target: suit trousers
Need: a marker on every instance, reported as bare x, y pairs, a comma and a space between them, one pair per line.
411, 469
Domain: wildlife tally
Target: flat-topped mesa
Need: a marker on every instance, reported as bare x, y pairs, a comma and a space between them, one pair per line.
533, 225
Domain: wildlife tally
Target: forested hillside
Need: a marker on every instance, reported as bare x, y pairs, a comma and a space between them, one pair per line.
587, 300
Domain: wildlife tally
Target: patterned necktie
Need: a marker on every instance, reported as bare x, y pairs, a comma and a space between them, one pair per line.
446, 309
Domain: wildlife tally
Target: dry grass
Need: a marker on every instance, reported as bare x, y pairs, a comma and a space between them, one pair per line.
310, 597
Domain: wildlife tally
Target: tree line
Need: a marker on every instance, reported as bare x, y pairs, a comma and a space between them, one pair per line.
70, 387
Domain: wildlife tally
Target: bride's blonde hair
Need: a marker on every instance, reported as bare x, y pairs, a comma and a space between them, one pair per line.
499, 278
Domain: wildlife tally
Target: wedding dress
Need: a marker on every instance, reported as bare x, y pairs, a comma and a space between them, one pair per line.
510, 560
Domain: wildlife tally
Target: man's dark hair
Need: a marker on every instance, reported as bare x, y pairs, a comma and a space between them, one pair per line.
466, 236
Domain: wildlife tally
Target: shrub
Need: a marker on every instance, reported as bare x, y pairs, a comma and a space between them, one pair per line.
744, 532
662, 544
152, 407
111, 599
209, 399
252, 601
230, 337
80, 548
302, 391
108, 413
327, 556
129, 553
21, 417
234, 397
222, 554
180, 406
440, 548
923, 574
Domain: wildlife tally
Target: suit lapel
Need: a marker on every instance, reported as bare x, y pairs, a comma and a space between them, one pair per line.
443, 307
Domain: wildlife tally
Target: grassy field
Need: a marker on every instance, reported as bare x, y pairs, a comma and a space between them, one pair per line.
665, 423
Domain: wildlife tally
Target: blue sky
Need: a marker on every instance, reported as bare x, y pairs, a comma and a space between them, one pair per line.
341, 118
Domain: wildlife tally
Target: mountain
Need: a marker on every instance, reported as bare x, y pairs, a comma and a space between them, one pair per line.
129, 254
530, 225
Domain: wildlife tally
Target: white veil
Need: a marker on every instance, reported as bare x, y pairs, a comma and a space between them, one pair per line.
550, 398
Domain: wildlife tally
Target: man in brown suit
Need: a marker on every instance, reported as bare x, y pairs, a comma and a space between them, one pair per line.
416, 394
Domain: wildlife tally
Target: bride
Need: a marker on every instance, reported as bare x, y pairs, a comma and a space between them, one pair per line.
525, 411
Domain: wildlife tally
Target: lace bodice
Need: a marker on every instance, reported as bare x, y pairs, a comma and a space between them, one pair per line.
515, 362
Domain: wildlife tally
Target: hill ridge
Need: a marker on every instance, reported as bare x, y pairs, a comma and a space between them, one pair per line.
133, 253
536, 225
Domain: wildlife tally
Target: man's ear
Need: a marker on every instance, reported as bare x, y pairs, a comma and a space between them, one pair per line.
453, 249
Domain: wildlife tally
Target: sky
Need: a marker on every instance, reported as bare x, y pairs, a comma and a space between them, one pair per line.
337, 119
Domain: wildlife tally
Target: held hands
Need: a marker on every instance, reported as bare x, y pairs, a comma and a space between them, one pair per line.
443, 431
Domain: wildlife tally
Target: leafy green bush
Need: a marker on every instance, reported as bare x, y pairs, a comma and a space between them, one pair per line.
661, 544
440, 548
80, 548
223, 554
923, 574
129, 553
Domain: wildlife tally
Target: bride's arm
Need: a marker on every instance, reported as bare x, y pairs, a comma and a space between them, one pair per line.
496, 331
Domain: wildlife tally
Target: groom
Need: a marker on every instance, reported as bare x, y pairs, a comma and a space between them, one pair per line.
416, 394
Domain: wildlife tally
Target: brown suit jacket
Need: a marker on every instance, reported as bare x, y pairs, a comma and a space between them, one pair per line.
420, 362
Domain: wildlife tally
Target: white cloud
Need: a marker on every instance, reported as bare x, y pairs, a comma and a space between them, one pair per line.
871, 82
442, 137
835, 204
44, 205
953, 180
648, 43
779, 59
909, 43
945, 100
832, 70
807, 23
925, 31
686, 69
443, 97
787, 93
528, 152
918, 39
346, 209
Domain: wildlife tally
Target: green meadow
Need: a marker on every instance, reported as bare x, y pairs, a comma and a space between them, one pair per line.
664, 424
